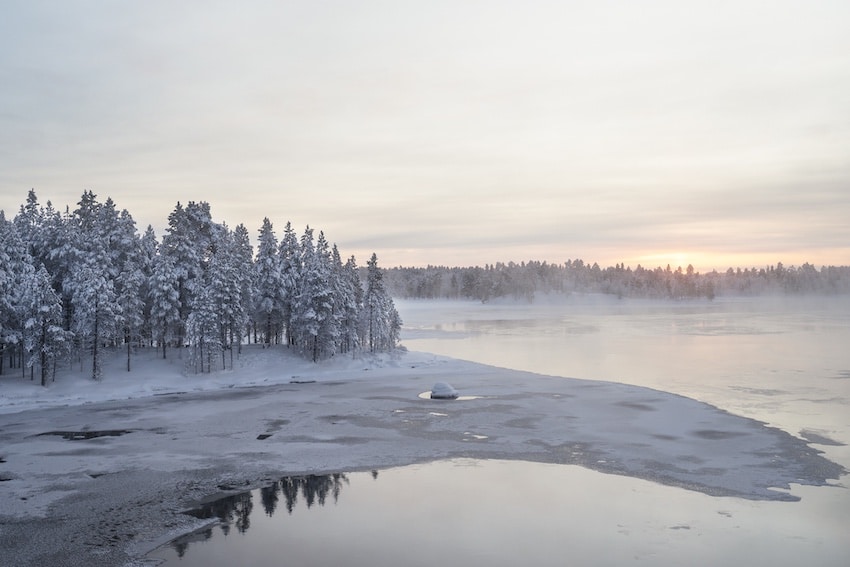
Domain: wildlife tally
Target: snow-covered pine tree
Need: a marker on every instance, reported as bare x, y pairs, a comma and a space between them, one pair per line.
314, 326
202, 328
268, 286
46, 340
352, 273
381, 321
123, 249
304, 324
97, 314
290, 270
324, 300
61, 247
227, 276
346, 300
29, 219
6, 279
13, 258
243, 258
87, 211
118, 239
148, 248
51, 239
130, 284
188, 241
164, 301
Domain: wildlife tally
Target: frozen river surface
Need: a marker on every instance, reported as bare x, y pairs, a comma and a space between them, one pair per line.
782, 362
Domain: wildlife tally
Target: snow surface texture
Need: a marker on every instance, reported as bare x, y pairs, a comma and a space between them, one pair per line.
98, 473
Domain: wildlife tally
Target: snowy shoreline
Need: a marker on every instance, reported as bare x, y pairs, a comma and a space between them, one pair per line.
169, 440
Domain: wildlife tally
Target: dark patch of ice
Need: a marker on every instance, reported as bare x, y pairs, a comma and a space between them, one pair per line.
819, 439
717, 435
636, 406
82, 435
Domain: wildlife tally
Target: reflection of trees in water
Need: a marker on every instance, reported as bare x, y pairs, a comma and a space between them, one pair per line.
236, 510
313, 488
230, 510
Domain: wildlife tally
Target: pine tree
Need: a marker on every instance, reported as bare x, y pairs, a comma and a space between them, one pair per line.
15, 261
290, 270
130, 283
381, 322
304, 324
347, 300
61, 253
243, 256
324, 300
165, 302
97, 314
189, 241
226, 282
314, 326
29, 219
46, 340
148, 249
202, 328
268, 286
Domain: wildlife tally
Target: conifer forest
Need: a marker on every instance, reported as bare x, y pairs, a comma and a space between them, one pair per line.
76, 282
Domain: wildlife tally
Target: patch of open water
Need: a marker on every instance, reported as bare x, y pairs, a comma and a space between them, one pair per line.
778, 362
472, 512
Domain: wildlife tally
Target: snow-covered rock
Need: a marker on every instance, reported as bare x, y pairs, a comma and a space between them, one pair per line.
443, 391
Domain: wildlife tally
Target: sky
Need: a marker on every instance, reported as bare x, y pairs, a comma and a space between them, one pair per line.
449, 133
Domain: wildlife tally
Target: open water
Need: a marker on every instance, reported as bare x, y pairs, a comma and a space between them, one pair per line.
785, 362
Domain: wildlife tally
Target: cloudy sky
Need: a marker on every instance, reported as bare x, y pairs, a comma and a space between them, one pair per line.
448, 132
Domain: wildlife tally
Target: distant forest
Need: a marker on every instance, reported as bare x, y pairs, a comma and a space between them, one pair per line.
76, 282
525, 280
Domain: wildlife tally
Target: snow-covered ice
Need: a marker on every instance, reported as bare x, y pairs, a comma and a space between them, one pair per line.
179, 438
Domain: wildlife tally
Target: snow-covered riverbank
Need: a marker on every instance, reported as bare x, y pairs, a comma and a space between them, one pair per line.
97, 473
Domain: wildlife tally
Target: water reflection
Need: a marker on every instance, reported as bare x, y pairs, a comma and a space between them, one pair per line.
506, 513
235, 510
230, 510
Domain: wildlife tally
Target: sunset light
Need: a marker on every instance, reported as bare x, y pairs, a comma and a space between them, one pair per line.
432, 282
448, 133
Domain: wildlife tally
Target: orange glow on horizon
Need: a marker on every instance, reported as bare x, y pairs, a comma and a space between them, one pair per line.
703, 262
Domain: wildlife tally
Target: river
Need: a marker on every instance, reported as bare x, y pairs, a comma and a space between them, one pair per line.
783, 361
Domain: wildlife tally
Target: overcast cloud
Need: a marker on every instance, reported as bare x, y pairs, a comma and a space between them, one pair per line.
436, 132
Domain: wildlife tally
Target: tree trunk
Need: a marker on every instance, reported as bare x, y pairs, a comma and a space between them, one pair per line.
371, 327
43, 355
95, 362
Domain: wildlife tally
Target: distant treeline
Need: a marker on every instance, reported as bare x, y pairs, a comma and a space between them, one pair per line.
527, 279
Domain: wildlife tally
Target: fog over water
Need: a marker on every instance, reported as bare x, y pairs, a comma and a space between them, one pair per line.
780, 360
